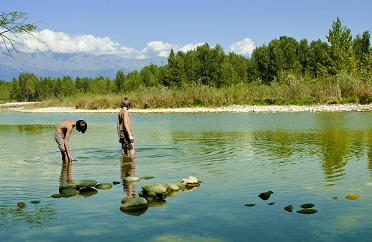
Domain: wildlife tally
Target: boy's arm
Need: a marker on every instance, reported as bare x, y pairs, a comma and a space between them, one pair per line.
68, 132
118, 126
126, 124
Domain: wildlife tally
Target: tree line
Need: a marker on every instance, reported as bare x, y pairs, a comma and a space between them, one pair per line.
278, 62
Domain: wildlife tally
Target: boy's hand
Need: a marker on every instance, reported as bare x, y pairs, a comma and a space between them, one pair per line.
72, 158
131, 138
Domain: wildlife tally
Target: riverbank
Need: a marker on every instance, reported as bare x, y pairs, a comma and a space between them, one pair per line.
27, 107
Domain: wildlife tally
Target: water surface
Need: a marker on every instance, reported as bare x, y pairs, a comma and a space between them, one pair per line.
305, 157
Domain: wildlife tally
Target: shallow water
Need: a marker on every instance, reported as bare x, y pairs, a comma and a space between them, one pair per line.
305, 157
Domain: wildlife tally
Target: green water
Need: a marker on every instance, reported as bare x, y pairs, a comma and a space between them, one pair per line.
314, 158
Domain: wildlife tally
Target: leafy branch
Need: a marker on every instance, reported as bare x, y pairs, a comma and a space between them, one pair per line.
12, 25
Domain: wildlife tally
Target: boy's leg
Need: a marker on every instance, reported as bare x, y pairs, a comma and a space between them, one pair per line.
64, 156
124, 149
131, 149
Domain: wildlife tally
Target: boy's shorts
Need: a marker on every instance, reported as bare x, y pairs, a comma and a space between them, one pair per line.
60, 139
124, 137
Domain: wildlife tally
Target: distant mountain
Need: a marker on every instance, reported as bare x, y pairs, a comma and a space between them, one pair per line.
50, 64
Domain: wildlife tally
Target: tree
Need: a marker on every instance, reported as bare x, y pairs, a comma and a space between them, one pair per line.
361, 47
318, 59
340, 49
12, 25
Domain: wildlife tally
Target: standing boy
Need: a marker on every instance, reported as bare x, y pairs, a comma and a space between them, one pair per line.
124, 127
62, 136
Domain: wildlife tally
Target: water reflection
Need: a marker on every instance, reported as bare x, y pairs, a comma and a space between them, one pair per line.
66, 173
127, 169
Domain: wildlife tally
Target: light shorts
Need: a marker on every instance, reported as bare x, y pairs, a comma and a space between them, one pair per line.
60, 139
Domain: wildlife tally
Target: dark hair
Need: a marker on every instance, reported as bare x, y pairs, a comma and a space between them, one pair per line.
81, 125
125, 102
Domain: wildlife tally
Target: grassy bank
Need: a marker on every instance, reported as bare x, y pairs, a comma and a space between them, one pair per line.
293, 92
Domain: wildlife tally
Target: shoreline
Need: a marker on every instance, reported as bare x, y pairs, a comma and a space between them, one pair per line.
23, 107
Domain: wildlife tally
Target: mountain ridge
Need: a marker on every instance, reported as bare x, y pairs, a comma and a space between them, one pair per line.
52, 64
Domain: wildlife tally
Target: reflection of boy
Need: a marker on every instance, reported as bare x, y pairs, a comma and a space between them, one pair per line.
66, 171
127, 168
124, 128
62, 136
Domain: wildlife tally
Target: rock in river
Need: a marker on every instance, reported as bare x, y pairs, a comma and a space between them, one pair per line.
265, 195
86, 183
135, 204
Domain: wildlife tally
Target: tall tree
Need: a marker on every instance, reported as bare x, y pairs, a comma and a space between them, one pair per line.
362, 48
340, 49
119, 81
318, 59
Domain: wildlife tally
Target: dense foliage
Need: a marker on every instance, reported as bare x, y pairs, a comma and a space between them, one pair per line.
283, 71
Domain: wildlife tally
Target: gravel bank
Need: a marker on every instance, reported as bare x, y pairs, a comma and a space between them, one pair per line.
22, 107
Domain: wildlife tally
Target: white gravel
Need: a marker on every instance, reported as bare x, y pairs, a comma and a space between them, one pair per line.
22, 107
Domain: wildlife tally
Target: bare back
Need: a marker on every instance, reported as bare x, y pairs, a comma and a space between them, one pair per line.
124, 120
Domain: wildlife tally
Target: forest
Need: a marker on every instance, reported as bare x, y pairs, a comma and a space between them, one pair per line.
284, 71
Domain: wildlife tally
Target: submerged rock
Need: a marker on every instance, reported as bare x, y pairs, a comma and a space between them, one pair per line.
307, 205
307, 211
353, 197
68, 185
56, 196
250, 204
87, 192
130, 179
265, 195
134, 205
21, 204
104, 186
86, 183
288, 208
157, 189
146, 177
69, 192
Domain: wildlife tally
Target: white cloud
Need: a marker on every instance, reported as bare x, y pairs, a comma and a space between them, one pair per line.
244, 47
158, 48
191, 46
59, 42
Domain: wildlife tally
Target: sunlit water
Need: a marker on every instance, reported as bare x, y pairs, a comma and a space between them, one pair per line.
314, 158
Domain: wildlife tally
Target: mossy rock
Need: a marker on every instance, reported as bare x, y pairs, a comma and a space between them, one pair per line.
172, 187
104, 186
250, 205
67, 185
86, 183
307, 205
69, 192
307, 211
21, 204
146, 177
130, 179
56, 196
158, 189
135, 205
87, 192
265, 195
353, 197
288, 208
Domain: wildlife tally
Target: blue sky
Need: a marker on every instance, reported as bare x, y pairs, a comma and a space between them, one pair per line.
144, 28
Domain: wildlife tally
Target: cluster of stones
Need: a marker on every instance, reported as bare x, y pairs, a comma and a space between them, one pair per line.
153, 195
306, 208
83, 187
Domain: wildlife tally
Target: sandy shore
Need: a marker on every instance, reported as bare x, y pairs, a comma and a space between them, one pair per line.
24, 107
